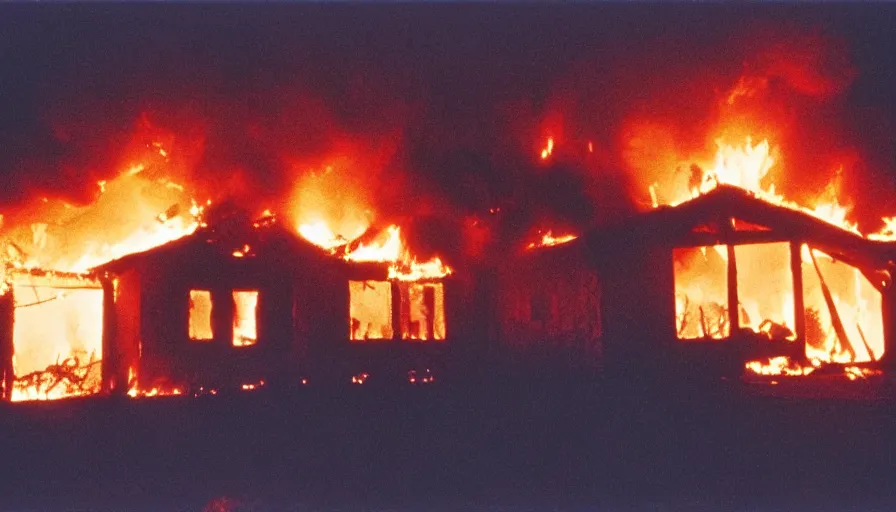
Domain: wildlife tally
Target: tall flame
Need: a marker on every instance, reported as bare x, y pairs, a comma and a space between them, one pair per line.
844, 310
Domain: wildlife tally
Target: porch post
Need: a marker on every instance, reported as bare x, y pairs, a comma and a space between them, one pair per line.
796, 269
733, 306
7, 319
888, 310
111, 351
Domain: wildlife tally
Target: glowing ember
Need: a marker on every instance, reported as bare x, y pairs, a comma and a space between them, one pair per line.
781, 365
252, 386
135, 391
154, 392
548, 239
360, 378
855, 372
426, 378
548, 149
242, 252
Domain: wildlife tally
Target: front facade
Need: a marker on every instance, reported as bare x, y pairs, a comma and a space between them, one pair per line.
702, 287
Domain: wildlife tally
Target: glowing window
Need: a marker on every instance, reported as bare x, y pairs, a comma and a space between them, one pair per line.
765, 289
56, 327
370, 310
245, 307
832, 289
422, 311
201, 315
701, 292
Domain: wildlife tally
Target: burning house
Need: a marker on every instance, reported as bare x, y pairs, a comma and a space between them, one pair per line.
728, 279
233, 304
238, 303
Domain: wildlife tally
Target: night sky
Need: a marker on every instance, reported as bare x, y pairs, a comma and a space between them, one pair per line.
449, 101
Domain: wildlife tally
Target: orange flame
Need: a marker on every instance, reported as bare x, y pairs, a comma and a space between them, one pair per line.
548, 240
854, 301
387, 247
548, 149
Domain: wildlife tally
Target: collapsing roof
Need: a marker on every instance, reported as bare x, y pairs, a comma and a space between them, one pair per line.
738, 263
707, 220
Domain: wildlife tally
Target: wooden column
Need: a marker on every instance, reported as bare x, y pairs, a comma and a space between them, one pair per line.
888, 310
733, 307
796, 268
397, 299
111, 364
429, 301
7, 349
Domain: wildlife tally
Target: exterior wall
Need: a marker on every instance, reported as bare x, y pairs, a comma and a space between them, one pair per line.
639, 307
550, 308
336, 357
7, 314
151, 311
124, 338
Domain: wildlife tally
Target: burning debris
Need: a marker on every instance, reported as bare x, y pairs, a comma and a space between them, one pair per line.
548, 240
68, 378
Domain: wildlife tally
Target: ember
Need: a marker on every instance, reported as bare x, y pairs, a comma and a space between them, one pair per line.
548, 149
548, 239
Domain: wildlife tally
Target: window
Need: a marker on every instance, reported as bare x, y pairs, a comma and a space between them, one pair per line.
842, 309
245, 312
834, 288
765, 289
201, 315
422, 311
701, 292
56, 323
370, 310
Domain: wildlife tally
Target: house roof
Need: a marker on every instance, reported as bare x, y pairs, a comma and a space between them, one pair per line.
706, 219
268, 240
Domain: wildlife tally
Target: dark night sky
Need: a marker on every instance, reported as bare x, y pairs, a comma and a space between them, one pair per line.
462, 84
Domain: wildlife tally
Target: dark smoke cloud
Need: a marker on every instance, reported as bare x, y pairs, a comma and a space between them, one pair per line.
442, 110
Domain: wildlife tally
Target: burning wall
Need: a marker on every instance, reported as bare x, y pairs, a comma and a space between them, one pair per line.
57, 335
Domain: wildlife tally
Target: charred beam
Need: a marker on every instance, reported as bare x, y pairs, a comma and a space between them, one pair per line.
832, 309
111, 360
7, 320
796, 269
733, 309
727, 226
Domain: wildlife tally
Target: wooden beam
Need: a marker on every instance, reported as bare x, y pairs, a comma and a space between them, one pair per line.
397, 298
733, 306
796, 269
737, 238
111, 349
7, 320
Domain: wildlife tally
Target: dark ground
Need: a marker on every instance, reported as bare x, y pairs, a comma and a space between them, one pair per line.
514, 447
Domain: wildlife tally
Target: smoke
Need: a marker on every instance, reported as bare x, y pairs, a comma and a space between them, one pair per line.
782, 81
385, 121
